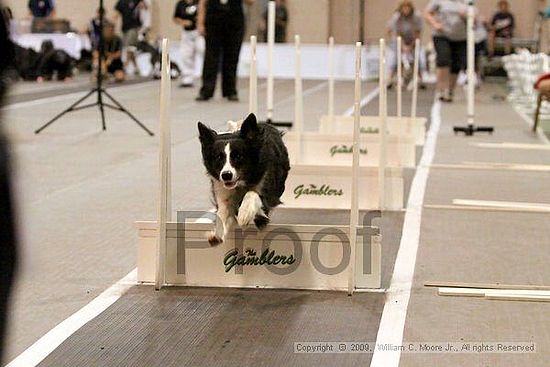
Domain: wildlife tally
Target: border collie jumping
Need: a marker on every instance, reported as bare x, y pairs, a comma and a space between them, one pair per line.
248, 168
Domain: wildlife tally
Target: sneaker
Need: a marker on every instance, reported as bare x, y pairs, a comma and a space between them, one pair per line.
186, 85
201, 98
445, 96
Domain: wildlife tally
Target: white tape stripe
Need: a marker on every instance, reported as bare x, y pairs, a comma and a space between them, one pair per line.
37, 352
392, 323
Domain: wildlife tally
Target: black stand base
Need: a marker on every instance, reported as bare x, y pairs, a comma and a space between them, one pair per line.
287, 124
470, 130
99, 103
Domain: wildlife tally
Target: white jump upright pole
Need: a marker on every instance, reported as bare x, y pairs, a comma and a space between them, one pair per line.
270, 46
383, 112
298, 97
416, 67
399, 77
354, 215
253, 90
331, 80
165, 179
471, 65
471, 129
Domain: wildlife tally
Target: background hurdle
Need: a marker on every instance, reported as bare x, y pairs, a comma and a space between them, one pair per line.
396, 125
318, 175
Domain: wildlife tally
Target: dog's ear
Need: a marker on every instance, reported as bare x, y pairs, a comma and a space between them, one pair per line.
249, 128
206, 134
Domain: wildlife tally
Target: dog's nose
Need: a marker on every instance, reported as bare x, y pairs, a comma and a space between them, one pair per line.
227, 176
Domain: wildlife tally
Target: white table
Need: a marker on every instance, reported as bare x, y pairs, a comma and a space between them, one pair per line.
72, 43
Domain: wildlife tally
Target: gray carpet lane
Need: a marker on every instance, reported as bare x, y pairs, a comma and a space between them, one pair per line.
221, 327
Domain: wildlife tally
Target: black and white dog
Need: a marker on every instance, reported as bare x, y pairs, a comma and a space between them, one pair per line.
248, 169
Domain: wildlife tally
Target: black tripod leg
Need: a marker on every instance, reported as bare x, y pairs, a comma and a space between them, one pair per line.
101, 108
64, 112
122, 109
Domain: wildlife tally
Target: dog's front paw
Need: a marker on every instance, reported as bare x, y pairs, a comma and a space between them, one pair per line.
245, 217
249, 209
261, 221
214, 239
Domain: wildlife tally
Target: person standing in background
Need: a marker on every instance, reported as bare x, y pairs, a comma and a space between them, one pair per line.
502, 26
192, 43
407, 24
448, 19
8, 238
42, 8
146, 19
129, 11
221, 22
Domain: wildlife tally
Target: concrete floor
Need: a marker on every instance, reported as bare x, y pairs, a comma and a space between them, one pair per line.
80, 190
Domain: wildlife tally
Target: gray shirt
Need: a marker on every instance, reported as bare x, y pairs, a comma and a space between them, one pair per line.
406, 27
452, 15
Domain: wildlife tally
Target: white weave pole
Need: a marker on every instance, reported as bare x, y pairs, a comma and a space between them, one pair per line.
298, 97
470, 129
354, 215
399, 77
414, 100
165, 179
383, 112
270, 46
253, 90
331, 80
471, 65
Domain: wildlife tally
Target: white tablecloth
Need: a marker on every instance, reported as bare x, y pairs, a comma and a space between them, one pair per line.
71, 43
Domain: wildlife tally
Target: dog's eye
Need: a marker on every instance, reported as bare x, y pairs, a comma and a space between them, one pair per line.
220, 157
237, 157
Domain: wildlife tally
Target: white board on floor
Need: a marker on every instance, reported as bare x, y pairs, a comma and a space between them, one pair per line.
329, 187
336, 149
321, 261
398, 126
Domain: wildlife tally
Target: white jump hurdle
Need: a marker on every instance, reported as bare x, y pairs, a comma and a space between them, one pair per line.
401, 126
294, 256
321, 164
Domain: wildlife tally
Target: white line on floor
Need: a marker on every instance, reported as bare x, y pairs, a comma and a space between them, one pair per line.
365, 101
507, 145
36, 353
502, 204
392, 323
493, 166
